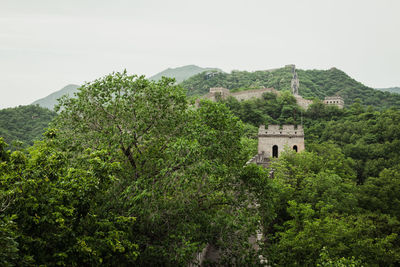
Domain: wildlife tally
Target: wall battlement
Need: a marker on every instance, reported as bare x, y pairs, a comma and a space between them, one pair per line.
219, 90
285, 130
273, 139
224, 93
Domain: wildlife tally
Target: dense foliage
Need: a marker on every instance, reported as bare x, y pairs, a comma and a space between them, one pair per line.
313, 84
24, 123
320, 210
131, 174
371, 138
270, 109
131, 170
337, 204
53, 209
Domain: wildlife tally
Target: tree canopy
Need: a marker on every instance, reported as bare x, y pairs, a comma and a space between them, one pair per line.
131, 173
130, 169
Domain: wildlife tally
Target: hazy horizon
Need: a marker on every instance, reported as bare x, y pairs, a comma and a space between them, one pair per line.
46, 45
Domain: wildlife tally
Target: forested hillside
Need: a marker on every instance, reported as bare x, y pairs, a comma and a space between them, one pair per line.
24, 123
339, 200
313, 84
131, 174
320, 83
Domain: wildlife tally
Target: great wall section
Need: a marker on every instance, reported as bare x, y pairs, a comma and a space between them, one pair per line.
216, 93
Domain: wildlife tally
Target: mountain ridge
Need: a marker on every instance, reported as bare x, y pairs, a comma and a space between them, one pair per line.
180, 74
51, 100
313, 84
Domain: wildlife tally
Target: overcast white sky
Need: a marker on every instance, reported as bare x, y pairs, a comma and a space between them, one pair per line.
47, 44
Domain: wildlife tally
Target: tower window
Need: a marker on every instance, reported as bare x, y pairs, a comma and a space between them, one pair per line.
275, 151
295, 148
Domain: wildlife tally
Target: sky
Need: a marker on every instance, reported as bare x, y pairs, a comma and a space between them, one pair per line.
48, 44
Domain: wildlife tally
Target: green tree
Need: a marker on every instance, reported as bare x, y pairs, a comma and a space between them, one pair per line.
55, 213
382, 193
181, 165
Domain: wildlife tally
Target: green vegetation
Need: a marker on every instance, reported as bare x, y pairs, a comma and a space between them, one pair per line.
319, 83
51, 100
24, 124
131, 174
200, 84
270, 109
313, 84
370, 138
320, 208
337, 203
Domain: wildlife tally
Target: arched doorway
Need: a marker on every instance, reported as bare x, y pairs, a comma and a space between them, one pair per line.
275, 151
295, 148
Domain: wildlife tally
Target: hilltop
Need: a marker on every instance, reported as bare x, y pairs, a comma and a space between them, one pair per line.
313, 84
182, 73
51, 100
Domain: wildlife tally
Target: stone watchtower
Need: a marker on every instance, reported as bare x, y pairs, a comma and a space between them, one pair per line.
273, 140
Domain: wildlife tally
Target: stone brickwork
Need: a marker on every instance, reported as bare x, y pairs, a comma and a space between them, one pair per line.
257, 93
334, 100
223, 93
218, 92
304, 103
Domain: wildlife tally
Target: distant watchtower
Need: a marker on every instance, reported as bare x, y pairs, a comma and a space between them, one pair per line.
334, 100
